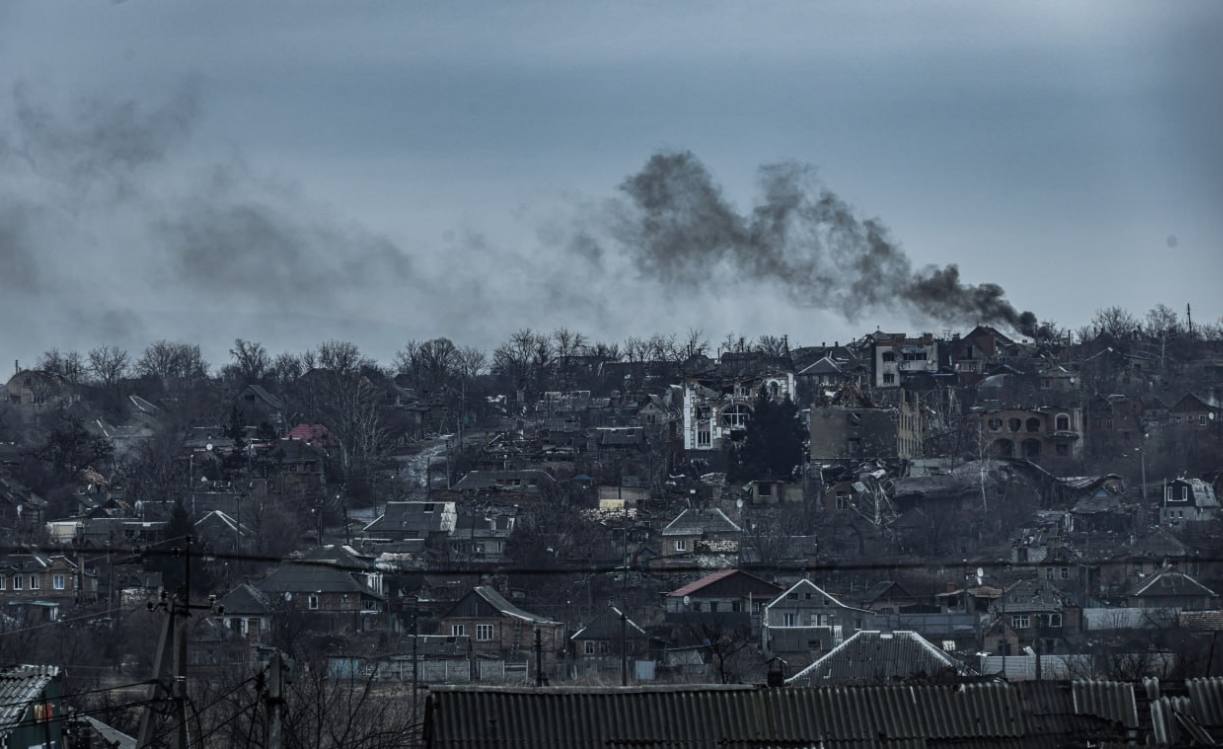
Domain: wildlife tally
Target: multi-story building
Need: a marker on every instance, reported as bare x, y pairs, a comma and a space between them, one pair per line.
895, 356
1047, 431
717, 409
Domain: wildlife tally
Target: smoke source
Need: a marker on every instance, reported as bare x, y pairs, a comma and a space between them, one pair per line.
800, 236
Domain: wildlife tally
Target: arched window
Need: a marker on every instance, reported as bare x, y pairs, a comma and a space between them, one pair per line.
1063, 423
1014, 424
995, 424
1033, 424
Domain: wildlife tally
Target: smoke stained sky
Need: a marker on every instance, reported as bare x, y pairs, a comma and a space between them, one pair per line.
299, 171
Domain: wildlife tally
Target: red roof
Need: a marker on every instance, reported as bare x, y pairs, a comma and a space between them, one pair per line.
692, 587
311, 433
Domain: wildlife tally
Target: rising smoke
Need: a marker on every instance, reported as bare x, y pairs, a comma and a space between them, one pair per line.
109, 230
800, 236
110, 233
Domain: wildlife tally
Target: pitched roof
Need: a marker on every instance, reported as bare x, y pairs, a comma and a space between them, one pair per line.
804, 583
872, 657
694, 522
708, 580
497, 601
245, 599
1170, 582
428, 517
607, 625
19, 686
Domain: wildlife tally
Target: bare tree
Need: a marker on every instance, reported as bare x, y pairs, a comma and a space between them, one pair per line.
694, 343
1115, 322
568, 342
69, 364
286, 368
108, 365
430, 365
251, 361
1163, 328
775, 346
342, 357
519, 358
172, 363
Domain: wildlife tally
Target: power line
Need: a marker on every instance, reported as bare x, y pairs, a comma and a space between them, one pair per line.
609, 567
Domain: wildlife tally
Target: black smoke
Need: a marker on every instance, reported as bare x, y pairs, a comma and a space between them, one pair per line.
800, 236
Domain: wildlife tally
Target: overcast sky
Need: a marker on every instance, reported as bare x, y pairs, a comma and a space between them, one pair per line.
297, 171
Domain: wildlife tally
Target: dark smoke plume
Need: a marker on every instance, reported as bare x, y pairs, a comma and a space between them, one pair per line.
680, 229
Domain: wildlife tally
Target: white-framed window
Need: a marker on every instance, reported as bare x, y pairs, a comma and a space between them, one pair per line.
1053, 620
312, 602
1065, 573
588, 647
1063, 422
842, 500
736, 416
458, 630
35, 582
484, 633
17, 582
790, 620
1020, 621
681, 544
58, 582
1048, 573
704, 437
889, 378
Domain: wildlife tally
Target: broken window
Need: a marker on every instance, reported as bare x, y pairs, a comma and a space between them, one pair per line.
889, 356
1033, 424
1013, 424
855, 420
995, 424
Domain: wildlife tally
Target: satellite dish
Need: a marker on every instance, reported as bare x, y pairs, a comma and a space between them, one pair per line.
288, 596
208, 447
980, 574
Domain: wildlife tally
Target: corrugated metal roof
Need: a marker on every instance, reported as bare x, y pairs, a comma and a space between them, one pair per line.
720, 716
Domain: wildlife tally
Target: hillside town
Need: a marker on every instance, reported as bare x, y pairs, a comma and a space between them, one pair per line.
1032, 519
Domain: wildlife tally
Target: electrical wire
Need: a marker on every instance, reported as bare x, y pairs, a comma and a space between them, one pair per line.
602, 568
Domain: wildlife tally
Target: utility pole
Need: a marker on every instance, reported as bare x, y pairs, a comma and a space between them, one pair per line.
275, 701
539, 658
623, 649
172, 650
415, 655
